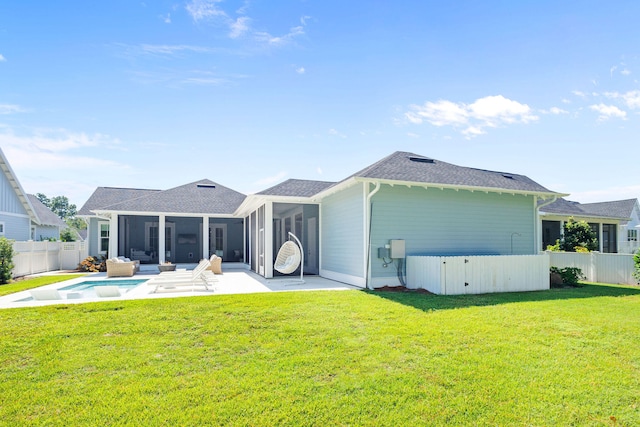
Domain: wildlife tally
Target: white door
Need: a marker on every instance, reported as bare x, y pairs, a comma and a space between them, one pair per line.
311, 256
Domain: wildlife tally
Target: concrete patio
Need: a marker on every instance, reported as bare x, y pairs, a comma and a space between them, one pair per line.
236, 279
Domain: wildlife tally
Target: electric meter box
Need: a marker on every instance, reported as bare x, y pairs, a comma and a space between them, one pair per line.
397, 249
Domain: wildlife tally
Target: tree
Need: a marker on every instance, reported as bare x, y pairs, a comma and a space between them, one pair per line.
59, 205
577, 235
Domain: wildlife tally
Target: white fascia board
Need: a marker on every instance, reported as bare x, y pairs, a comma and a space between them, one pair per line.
550, 216
107, 214
426, 185
253, 202
349, 182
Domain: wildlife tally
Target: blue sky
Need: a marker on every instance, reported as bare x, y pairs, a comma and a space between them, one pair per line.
156, 94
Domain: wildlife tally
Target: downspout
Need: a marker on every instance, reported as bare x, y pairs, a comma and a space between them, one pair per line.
539, 223
368, 234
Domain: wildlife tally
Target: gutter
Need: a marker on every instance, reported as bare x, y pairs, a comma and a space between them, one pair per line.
367, 254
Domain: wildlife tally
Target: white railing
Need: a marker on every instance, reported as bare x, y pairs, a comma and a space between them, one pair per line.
39, 257
478, 274
629, 247
597, 267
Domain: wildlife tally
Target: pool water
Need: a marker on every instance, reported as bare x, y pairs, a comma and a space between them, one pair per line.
86, 289
125, 285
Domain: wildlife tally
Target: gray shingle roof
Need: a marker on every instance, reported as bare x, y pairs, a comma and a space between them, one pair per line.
616, 210
106, 196
297, 188
410, 167
44, 214
200, 197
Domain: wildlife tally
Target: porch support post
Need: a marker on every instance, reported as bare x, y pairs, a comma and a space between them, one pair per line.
600, 236
113, 236
268, 240
162, 255
205, 237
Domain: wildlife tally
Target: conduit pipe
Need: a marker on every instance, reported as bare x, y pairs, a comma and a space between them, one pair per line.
367, 250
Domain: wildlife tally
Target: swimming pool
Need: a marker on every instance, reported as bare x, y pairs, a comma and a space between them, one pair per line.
85, 290
124, 285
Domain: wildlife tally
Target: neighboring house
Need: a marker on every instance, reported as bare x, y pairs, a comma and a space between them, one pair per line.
22, 216
16, 212
432, 207
48, 225
611, 222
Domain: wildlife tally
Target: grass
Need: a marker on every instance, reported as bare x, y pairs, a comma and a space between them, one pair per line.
566, 357
23, 285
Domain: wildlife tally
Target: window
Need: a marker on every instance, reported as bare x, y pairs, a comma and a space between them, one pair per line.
632, 235
103, 240
1, 228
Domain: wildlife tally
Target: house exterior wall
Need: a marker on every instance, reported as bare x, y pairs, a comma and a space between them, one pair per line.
46, 232
17, 224
629, 245
447, 223
342, 236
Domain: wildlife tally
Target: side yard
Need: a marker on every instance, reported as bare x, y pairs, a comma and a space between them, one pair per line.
559, 357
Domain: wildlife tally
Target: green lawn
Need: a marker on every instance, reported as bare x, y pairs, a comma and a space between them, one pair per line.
567, 357
23, 285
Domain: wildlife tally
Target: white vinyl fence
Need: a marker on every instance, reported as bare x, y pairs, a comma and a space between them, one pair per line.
478, 274
597, 267
39, 257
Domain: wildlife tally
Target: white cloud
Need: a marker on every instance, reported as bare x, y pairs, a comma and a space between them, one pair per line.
555, 111
300, 70
632, 98
474, 118
606, 194
204, 9
625, 72
239, 27
413, 135
579, 93
166, 19
2, 58
608, 111
612, 70
319, 170
265, 37
10, 109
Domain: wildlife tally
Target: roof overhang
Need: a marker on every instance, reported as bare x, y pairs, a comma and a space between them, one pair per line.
355, 180
579, 217
108, 214
254, 201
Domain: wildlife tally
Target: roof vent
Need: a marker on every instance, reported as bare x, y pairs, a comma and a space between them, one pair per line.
421, 159
206, 186
506, 175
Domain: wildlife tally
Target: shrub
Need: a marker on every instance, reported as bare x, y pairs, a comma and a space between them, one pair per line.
6, 260
636, 262
554, 248
570, 276
578, 234
92, 264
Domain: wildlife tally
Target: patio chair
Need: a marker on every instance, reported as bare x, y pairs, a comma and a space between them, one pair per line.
45, 294
216, 264
107, 291
197, 277
290, 256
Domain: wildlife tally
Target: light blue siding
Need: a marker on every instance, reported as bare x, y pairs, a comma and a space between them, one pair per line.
16, 228
46, 232
12, 213
449, 222
342, 232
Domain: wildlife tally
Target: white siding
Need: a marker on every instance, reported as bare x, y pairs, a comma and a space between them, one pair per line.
342, 235
449, 222
9, 201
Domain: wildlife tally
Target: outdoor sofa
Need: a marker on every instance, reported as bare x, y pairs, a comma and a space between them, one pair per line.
122, 267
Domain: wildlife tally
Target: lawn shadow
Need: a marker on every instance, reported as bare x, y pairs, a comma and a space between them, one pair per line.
429, 302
